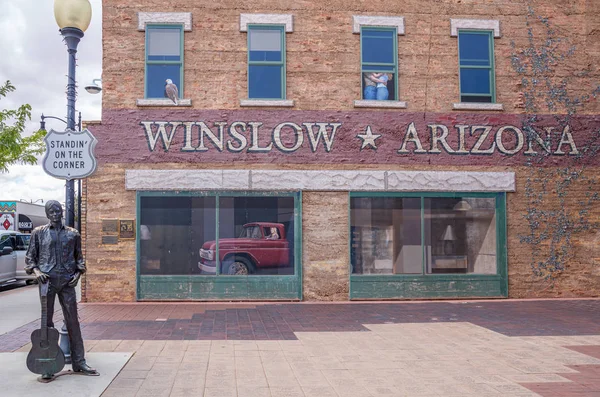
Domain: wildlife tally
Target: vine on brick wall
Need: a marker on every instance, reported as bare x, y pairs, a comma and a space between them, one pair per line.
554, 217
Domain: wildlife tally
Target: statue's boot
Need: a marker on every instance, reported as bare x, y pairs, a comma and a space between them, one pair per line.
85, 369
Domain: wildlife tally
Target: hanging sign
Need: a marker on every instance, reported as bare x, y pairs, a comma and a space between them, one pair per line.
70, 154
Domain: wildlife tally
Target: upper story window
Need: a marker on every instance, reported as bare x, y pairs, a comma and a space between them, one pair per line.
379, 60
379, 63
477, 82
476, 63
266, 58
266, 62
164, 59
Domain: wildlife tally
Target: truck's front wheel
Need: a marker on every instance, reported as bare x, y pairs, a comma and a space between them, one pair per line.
238, 267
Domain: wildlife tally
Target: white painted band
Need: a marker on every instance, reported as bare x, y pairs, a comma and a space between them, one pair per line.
327, 180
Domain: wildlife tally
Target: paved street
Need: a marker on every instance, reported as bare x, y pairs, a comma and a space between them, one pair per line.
450, 348
19, 305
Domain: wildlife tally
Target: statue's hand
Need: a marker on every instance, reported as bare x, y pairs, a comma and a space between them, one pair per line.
74, 279
40, 276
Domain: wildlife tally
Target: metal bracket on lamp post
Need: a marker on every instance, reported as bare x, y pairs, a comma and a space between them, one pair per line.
79, 126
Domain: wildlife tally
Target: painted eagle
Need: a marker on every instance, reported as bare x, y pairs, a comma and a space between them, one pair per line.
171, 91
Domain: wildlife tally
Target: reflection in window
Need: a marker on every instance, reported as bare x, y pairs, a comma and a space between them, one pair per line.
266, 62
178, 235
379, 63
423, 235
23, 241
386, 237
164, 59
256, 220
172, 230
460, 235
476, 61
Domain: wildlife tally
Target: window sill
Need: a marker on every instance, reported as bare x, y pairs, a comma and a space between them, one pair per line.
477, 106
267, 102
163, 102
373, 103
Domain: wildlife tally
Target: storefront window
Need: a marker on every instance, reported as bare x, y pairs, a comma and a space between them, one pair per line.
386, 235
423, 235
172, 230
460, 235
178, 235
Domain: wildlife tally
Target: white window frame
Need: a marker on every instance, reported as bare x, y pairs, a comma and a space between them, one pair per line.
380, 21
165, 18
476, 24
267, 19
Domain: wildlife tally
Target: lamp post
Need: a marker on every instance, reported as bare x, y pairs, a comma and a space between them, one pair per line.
73, 18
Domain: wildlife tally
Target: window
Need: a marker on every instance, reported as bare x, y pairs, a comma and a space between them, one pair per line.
6, 241
379, 63
164, 59
476, 64
379, 60
266, 62
219, 234
164, 43
476, 82
425, 234
266, 58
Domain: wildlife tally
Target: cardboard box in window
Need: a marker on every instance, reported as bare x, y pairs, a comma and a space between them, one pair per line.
152, 264
450, 264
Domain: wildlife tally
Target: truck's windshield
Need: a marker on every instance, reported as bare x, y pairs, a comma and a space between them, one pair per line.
251, 232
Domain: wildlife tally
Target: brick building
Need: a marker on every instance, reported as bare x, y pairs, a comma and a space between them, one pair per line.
335, 150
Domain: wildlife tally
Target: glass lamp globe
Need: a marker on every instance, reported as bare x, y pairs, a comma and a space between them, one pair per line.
73, 14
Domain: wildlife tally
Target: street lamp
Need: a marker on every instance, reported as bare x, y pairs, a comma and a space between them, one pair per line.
94, 88
73, 18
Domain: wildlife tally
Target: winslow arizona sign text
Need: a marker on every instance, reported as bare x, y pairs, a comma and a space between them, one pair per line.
291, 137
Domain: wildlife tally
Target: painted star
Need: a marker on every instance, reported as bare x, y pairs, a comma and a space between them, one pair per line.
368, 139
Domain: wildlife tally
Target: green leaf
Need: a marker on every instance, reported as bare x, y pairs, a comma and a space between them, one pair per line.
14, 147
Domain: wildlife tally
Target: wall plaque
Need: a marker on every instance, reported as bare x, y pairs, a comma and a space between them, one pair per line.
126, 229
110, 239
110, 226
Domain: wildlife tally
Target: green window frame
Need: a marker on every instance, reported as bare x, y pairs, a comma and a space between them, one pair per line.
258, 68
480, 66
428, 284
382, 67
170, 63
222, 286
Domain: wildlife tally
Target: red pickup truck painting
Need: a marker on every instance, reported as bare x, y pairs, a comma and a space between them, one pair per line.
261, 245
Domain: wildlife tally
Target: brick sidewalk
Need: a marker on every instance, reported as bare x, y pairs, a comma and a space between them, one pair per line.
478, 348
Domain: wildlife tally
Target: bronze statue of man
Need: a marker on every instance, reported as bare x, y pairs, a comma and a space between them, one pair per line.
54, 256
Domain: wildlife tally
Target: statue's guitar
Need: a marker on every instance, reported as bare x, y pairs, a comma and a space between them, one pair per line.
45, 357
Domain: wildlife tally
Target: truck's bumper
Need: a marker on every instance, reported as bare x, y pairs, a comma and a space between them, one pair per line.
207, 267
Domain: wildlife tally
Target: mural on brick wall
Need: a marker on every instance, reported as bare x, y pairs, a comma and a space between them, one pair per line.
348, 137
554, 215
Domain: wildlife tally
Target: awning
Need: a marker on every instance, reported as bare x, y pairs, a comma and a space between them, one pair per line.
25, 223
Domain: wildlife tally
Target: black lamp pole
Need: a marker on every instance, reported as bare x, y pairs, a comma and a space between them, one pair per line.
71, 36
